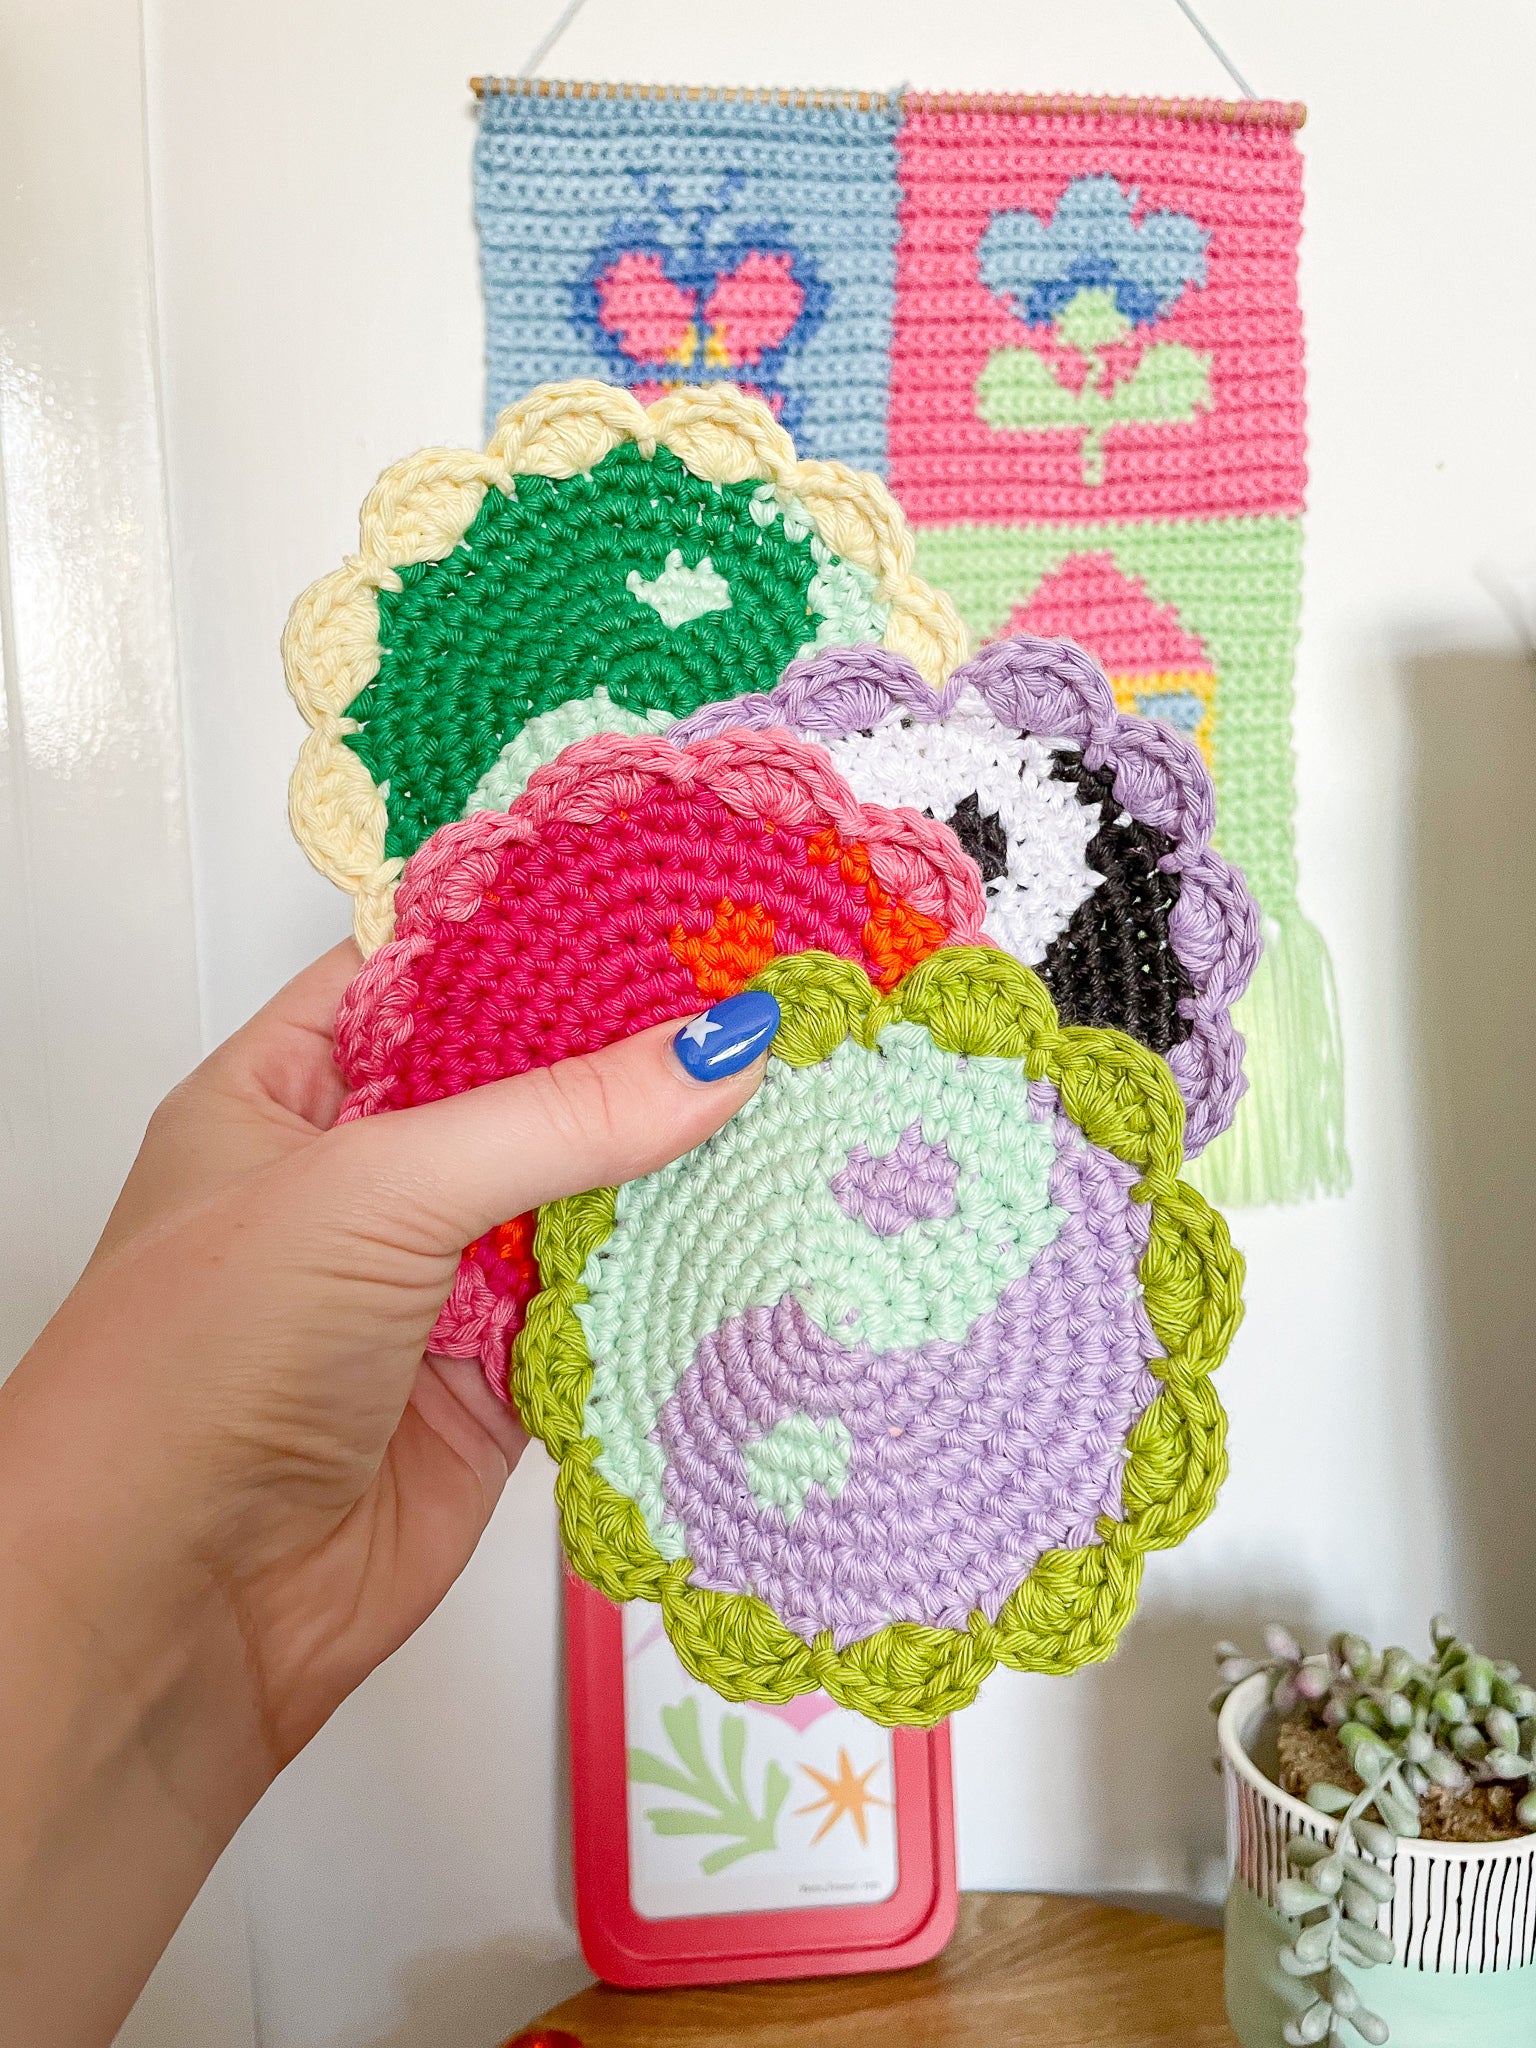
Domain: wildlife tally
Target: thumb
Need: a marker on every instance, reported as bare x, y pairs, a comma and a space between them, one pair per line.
451, 1170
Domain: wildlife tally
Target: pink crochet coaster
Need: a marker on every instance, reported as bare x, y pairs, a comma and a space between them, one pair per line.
631, 882
1090, 829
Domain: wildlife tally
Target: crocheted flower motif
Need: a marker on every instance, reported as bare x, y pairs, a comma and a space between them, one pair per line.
600, 567
1093, 242
1092, 275
632, 882
1090, 829
901, 1374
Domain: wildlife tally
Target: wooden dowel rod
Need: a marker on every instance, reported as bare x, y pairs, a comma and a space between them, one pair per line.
1232, 113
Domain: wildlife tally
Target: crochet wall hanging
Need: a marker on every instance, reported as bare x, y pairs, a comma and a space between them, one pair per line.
1068, 334
948, 1379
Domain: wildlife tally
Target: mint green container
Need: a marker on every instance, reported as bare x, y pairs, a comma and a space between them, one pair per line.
1463, 1922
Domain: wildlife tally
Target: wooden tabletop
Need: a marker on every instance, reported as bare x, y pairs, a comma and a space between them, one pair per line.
1021, 1972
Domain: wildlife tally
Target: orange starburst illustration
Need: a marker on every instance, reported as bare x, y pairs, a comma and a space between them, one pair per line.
847, 1793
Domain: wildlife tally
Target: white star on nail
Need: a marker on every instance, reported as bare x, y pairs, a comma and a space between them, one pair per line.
699, 1030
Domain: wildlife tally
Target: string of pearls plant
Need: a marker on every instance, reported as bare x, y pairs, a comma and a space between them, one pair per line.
1456, 1721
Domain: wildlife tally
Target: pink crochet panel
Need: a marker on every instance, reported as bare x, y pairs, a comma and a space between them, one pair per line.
972, 183
631, 882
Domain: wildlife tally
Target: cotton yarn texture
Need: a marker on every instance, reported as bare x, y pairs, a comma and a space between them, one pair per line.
601, 566
902, 1374
932, 1411
1067, 333
1090, 830
634, 881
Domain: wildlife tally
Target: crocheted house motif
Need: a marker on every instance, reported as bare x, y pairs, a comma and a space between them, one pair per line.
1157, 669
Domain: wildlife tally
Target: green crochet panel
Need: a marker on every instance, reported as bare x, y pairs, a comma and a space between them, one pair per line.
1070, 1609
567, 583
1236, 585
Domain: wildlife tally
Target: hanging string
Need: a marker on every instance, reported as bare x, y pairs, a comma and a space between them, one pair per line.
542, 48
572, 8
1216, 50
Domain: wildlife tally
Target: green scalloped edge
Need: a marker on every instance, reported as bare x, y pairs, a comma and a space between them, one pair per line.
1071, 1607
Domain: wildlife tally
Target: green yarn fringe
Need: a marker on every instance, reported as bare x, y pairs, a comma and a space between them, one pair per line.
1286, 1143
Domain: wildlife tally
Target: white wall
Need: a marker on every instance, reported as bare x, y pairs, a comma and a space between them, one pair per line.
98, 998
320, 317
97, 1003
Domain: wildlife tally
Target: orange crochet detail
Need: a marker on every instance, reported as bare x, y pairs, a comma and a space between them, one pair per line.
724, 958
896, 936
631, 878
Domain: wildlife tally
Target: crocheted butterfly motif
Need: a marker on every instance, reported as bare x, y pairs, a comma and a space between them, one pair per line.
1090, 830
689, 295
943, 1381
601, 567
633, 881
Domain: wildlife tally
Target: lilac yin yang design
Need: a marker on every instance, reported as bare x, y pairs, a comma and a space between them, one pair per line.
1090, 828
793, 1405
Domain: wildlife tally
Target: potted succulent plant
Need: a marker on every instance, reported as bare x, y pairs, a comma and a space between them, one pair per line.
1381, 1837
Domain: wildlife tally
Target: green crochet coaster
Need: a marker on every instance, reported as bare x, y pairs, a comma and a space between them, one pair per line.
902, 1374
601, 567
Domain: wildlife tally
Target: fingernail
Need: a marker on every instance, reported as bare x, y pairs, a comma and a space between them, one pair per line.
727, 1038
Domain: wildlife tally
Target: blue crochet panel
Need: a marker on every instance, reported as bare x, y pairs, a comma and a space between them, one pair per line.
664, 241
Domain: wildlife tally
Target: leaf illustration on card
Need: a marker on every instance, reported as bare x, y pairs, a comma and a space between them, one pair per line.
722, 1805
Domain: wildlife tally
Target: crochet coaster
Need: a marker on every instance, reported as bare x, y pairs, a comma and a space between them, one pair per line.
631, 882
902, 1373
1068, 332
601, 567
1091, 831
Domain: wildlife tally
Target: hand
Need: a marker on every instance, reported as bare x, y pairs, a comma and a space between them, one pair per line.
231, 1479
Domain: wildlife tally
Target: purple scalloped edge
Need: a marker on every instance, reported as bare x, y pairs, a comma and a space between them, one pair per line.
1054, 689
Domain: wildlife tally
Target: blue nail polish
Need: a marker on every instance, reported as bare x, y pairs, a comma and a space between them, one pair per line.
728, 1037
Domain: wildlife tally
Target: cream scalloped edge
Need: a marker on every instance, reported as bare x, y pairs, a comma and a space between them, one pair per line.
419, 510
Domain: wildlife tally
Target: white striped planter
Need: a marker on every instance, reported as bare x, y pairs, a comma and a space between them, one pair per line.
1464, 1915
